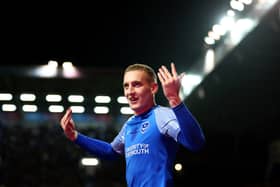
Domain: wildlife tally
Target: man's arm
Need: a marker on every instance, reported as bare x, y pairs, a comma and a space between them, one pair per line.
99, 148
96, 147
191, 135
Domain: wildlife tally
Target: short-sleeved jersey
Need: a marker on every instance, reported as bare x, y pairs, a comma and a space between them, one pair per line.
149, 143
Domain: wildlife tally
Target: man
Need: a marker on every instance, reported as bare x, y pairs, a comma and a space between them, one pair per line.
150, 138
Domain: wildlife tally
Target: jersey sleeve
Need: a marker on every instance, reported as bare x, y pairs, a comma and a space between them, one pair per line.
167, 122
96, 147
118, 142
191, 134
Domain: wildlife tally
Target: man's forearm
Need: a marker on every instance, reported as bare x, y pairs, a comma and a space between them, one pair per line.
191, 134
99, 148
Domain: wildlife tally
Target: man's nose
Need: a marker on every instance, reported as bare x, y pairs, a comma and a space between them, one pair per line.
130, 90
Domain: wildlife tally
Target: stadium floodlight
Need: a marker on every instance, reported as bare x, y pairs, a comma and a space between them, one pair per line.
101, 110
9, 107
27, 97
89, 161
102, 99
6, 97
76, 98
122, 100
126, 110
29, 108
53, 98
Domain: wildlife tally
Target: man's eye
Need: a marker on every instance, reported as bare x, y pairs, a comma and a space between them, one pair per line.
137, 84
125, 86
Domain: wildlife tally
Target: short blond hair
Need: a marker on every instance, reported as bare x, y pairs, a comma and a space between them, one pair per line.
143, 67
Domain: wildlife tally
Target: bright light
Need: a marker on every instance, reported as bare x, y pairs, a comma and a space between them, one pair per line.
9, 107
67, 65
214, 35
6, 97
53, 98
76, 98
242, 27
231, 13
89, 161
220, 30
209, 41
101, 110
178, 167
56, 108
78, 109
122, 100
209, 62
246, 2
126, 110
46, 71
102, 99
236, 5
70, 71
189, 82
52, 64
29, 108
227, 22
27, 97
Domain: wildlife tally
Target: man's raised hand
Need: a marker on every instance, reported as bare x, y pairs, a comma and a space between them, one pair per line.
68, 125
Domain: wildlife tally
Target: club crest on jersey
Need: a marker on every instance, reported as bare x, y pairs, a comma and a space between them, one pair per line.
144, 127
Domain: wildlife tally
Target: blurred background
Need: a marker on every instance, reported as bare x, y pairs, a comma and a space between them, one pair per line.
72, 55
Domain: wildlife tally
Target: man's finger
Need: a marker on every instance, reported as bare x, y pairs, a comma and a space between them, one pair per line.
160, 78
173, 70
166, 72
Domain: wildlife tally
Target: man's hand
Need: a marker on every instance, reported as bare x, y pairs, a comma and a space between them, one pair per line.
171, 84
68, 125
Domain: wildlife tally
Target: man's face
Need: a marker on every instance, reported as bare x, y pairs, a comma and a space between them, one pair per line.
139, 91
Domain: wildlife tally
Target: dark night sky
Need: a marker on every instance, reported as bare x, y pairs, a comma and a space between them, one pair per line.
109, 34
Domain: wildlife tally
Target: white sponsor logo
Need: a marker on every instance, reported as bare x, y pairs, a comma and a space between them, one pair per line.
137, 149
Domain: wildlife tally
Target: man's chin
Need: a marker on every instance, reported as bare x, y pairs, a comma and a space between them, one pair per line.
133, 107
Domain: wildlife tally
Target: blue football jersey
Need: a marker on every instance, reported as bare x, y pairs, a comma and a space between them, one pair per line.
149, 143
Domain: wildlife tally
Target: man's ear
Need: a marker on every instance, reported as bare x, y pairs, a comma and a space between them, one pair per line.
154, 87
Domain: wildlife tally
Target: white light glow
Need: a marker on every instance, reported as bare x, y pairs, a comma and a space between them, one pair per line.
122, 100
102, 99
89, 161
126, 110
56, 108
78, 109
236, 5
178, 167
53, 98
70, 71
209, 62
189, 82
46, 71
214, 35
209, 41
76, 98
246, 2
220, 30
242, 27
6, 97
27, 97
101, 110
53, 64
227, 22
9, 107
29, 108
231, 13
